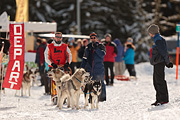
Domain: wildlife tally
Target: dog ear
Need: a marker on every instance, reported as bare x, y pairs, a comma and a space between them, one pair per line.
37, 70
30, 71
92, 81
57, 70
53, 70
27, 68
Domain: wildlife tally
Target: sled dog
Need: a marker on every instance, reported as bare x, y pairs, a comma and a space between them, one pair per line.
92, 91
34, 78
26, 82
70, 88
56, 74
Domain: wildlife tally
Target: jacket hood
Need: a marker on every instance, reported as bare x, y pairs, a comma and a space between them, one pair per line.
117, 41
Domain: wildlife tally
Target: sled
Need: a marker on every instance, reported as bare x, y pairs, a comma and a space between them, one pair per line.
122, 78
53, 92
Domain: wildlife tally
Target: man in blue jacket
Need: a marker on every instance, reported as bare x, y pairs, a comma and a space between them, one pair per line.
159, 60
93, 62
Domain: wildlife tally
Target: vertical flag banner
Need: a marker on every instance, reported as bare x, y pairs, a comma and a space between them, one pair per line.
14, 73
22, 11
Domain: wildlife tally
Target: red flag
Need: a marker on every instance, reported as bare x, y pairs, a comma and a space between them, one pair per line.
14, 73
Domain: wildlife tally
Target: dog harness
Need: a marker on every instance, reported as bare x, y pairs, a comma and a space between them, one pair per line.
74, 87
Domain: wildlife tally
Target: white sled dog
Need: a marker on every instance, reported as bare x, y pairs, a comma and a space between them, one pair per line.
63, 79
70, 88
34, 78
92, 91
56, 74
26, 82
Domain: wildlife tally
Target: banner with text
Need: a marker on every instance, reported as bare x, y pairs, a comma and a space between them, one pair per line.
14, 73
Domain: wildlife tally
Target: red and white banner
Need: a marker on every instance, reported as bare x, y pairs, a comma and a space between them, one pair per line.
14, 73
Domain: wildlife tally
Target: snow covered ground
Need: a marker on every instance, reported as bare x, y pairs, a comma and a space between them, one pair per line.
126, 100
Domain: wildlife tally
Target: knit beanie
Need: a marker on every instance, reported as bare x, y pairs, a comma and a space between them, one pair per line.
153, 29
107, 35
129, 40
93, 34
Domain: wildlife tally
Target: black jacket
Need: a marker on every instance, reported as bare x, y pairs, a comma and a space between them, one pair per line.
159, 51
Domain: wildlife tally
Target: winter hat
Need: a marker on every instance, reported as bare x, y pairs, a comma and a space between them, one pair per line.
117, 41
129, 40
39, 41
79, 40
84, 40
153, 29
107, 35
93, 34
70, 39
49, 41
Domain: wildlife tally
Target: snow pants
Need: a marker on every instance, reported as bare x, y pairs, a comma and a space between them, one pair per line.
131, 69
109, 65
160, 84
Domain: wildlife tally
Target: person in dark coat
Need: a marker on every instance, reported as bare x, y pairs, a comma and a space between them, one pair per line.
119, 64
109, 58
85, 42
93, 62
159, 59
40, 59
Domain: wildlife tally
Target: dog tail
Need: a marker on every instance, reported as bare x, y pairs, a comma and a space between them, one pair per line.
65, 78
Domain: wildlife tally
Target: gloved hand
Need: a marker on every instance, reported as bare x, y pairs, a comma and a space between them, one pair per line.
170, 65
54, 65
66, 67
95, 44
102, 47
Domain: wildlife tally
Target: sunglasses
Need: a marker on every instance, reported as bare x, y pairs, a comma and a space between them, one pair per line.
58, 37
93, 38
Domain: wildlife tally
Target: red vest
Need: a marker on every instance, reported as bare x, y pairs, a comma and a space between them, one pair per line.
58, 54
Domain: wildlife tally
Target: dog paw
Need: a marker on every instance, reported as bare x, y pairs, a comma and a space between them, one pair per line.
68, 106
78, 108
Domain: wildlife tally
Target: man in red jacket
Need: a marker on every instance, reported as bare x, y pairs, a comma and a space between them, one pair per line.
57, 53
109, 58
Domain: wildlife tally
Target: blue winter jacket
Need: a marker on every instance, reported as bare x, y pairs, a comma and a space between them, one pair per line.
120, 50
159, 51
129, 56
93, 60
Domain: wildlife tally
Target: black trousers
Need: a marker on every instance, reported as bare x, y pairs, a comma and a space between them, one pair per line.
42, 73
72, 66
131, 69
110, 66
160, 84
47, 83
